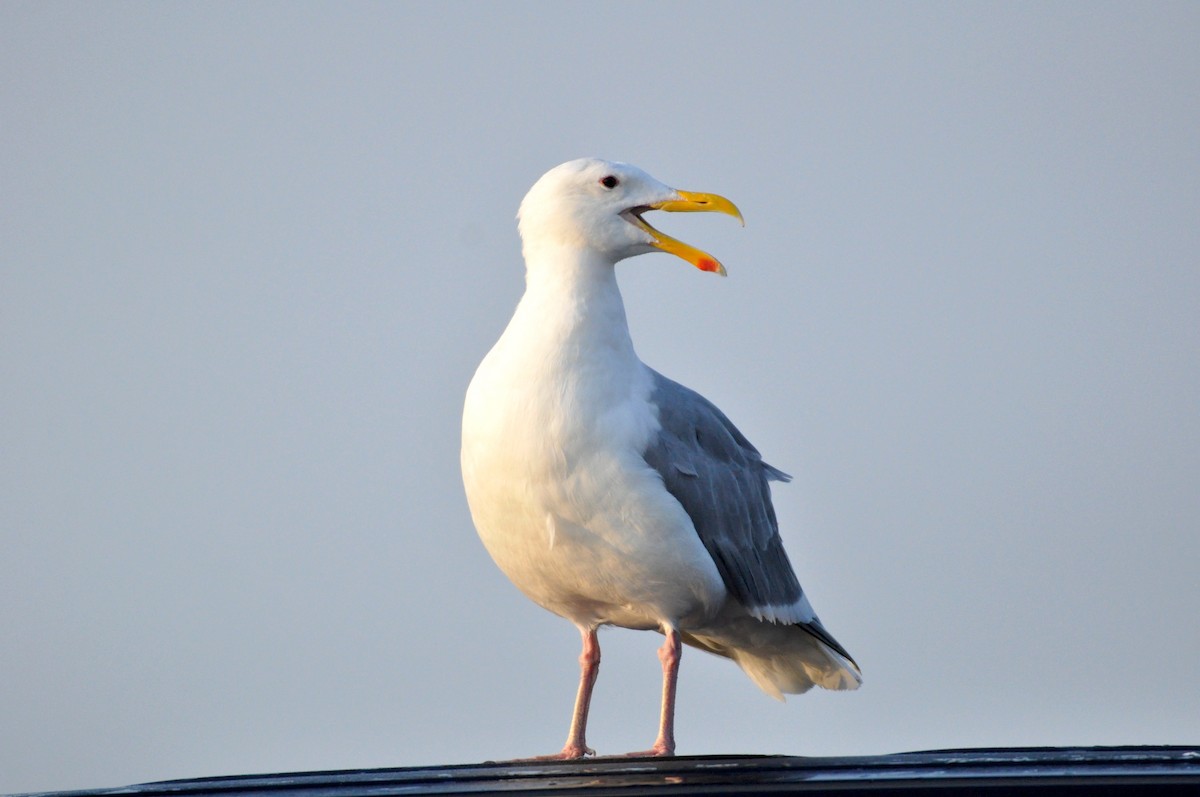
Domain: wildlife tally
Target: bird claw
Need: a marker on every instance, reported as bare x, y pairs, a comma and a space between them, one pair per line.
576, 751
569, 753
657, 751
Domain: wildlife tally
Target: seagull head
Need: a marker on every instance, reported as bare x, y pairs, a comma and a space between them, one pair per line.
598, 205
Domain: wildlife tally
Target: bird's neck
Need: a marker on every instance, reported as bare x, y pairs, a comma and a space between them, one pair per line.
571, 296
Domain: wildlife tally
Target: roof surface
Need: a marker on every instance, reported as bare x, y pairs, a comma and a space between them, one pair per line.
1026, 771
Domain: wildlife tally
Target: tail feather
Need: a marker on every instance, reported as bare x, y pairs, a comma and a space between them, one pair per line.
780, 658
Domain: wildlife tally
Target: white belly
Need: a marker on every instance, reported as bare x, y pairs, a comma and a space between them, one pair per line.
568, 509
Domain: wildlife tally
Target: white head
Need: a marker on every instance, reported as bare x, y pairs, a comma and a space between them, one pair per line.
597, 205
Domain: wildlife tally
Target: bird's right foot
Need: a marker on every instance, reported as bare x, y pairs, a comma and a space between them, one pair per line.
571, 752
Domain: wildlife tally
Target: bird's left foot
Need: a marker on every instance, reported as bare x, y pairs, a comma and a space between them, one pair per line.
659, 750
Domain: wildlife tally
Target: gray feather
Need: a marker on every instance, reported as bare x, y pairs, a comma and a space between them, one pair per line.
722, 483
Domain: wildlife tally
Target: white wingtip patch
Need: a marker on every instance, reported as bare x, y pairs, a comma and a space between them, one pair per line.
801, 611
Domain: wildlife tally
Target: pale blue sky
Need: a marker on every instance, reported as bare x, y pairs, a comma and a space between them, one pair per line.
252, 253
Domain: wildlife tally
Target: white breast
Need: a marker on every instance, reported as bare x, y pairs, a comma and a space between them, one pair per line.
556, 419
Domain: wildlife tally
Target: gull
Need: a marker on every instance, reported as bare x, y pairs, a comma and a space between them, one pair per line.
612, 495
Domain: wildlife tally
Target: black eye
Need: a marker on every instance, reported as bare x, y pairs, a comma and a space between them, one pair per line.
609, 182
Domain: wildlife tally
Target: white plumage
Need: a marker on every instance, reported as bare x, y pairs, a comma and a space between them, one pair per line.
611, 495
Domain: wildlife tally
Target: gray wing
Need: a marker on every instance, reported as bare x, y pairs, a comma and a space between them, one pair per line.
723, 485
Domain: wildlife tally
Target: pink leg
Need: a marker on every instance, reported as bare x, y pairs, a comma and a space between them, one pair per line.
589, 666
669, 654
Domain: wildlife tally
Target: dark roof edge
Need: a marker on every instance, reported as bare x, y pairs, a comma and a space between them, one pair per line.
998, 771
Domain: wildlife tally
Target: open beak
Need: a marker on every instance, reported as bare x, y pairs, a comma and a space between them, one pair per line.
688, 202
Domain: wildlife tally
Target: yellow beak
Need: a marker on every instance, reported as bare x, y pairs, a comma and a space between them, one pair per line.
690, 202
